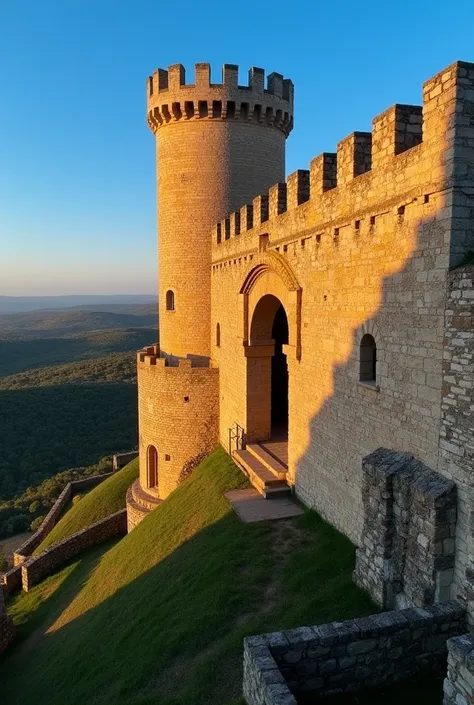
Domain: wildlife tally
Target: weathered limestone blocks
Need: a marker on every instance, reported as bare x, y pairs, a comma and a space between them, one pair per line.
459, 683
347, 656
407, 551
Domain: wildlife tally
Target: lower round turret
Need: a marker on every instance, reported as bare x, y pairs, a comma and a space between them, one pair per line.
178, 408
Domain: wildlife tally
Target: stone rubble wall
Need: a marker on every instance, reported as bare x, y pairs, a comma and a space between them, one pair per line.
54, 514
407, 551
347, 656
459, 684
7, 628
35, 569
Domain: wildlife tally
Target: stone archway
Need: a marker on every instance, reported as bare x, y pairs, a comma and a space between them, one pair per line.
270, 315
267, 371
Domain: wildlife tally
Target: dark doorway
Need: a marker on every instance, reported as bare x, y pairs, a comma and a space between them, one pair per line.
280, 375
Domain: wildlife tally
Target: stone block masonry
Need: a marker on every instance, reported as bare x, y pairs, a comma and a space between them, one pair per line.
33, 570
347, 656
407, 551
7, 629
456, 442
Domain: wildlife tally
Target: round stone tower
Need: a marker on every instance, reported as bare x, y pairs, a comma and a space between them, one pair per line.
218, 145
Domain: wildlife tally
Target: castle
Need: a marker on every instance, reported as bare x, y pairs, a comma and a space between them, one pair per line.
306, 323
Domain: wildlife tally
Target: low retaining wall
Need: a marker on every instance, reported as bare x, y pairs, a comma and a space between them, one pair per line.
119, 460
7, 629
10, 580
54, 513
33, 570
459, 684
347, 656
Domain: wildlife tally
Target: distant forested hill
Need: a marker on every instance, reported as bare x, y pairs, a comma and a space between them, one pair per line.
67, 389
43, 338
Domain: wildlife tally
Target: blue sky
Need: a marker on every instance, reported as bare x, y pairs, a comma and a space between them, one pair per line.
77, 188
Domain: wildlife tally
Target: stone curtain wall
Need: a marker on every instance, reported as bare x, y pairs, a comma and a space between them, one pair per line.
459, 684
370, 248
7, 629
456, 444
34, 570
347, 656
54, 514
406, 556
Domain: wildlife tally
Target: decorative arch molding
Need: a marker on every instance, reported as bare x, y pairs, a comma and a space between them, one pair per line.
272, 262
265, 262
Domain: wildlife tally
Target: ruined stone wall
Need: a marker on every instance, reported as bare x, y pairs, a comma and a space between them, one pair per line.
407, 552
456, 445
352, 250
34, 570
178, 409
347, 656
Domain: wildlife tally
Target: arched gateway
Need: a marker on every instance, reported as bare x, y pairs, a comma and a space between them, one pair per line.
271, 316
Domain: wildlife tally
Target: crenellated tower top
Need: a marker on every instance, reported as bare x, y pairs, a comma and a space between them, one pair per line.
170, 99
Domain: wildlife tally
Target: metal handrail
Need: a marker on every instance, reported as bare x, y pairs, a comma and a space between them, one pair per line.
237, 437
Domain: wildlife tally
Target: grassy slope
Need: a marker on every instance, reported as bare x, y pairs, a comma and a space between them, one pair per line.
162, 616
103, 500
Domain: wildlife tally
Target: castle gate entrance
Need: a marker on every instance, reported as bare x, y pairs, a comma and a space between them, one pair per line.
267, 372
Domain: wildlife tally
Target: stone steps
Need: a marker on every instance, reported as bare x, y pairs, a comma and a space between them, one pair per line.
264, 480
142, 498
271, 463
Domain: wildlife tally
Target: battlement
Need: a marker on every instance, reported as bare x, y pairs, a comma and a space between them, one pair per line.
170, 99
408, 144
151, 356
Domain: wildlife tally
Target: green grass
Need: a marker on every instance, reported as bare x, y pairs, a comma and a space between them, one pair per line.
105, 499
160, 617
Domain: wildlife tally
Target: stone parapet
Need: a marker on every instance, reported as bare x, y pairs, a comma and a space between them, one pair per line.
34, 570
170, 99
379, 171
343, 657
